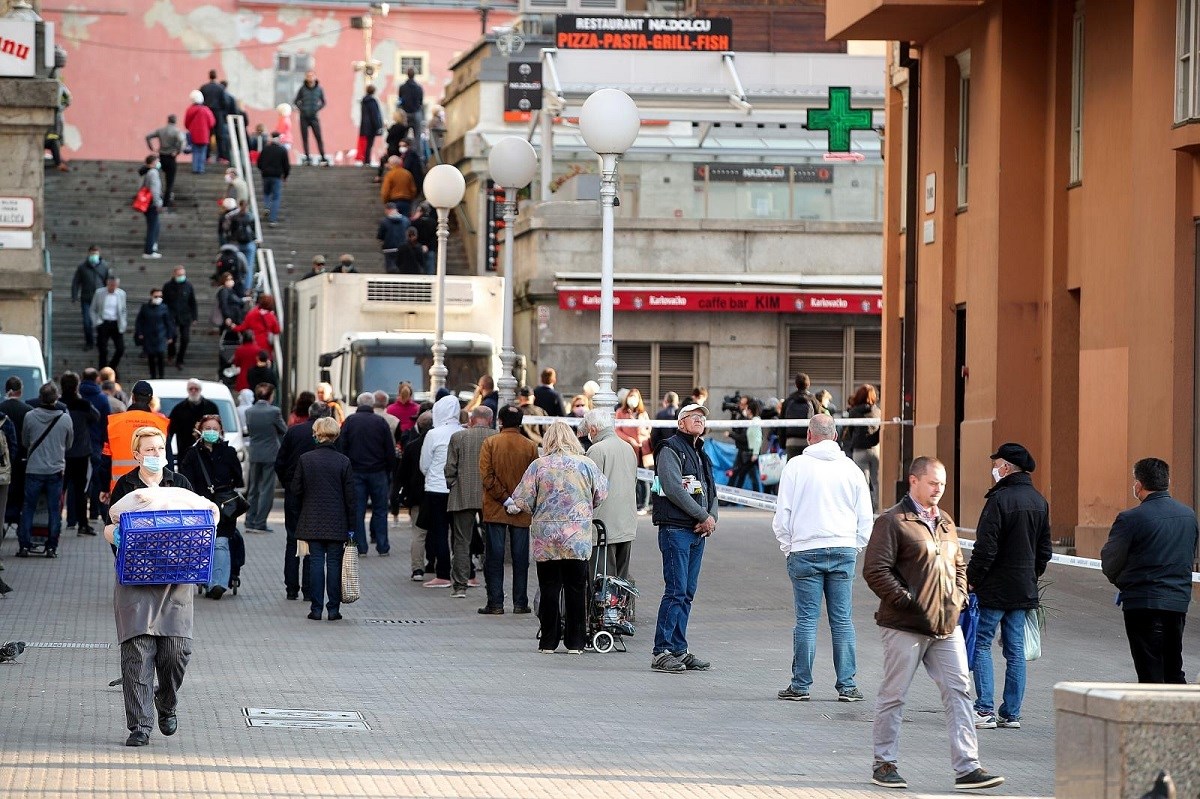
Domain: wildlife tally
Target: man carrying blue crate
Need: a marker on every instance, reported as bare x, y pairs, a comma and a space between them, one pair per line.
154, 622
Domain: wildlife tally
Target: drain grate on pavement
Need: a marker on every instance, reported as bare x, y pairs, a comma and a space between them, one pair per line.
395, 621
66, 645
304, 719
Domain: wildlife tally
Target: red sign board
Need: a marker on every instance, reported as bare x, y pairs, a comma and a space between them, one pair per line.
818, 302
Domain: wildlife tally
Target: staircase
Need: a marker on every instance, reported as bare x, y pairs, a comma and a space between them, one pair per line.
326, 210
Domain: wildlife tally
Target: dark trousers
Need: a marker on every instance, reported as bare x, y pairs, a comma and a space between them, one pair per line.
89, 327
437, 543
292, 575
36, 485
157, 362
372, 485
151, 230
493, 564
1156, 643
106, 332
307, 122
745, 466
95, 486
178, 349
142, 657
168, 169
76, 478
325, 574
237, 546
558, 579
617, 560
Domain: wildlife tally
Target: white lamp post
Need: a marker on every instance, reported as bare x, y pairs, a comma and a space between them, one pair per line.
513, 165
609, 123
444, 188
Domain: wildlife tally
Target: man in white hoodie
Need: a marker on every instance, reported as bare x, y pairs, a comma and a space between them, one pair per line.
437, 492
822, 519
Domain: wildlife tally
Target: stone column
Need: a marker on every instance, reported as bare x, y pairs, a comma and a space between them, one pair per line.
26, 113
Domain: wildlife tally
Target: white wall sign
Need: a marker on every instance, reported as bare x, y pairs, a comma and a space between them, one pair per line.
18, 38
930, 192
927, 231
16, 239
16, 212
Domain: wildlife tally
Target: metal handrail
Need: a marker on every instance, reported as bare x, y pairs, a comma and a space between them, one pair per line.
240, 156
464, 219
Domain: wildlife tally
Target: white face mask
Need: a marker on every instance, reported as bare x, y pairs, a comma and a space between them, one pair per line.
631, 402
156, 300
228, 284
996, 475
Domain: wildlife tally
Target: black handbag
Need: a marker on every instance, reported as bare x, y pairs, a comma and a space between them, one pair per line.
229, 501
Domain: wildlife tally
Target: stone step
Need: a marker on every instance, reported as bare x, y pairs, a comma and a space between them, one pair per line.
325, 210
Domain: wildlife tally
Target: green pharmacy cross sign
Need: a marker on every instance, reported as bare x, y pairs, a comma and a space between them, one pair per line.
839, 119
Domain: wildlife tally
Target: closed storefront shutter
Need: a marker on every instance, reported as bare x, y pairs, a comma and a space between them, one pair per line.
835, 359
655, 369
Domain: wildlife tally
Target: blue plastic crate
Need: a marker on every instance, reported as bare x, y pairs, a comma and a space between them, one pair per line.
159, 547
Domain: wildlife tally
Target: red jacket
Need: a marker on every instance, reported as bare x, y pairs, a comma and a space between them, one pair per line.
262, 324
199, 121
244, 357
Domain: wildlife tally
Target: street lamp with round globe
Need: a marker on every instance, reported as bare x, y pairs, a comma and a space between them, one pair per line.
444, 188
512, 164
609, 122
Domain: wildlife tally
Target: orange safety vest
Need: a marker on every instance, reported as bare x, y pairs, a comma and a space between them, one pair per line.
121, 427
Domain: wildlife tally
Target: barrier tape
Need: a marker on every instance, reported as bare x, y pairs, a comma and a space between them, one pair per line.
716, 424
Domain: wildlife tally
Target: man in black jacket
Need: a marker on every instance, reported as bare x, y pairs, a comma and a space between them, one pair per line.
1149, 556
800, 404
296, 441
1012, 548
180, 298
184, 417
368, 443
274, 166
90, 277
310, 99
214, 98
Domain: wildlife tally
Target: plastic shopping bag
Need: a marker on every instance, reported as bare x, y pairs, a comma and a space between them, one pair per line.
1033, 635
969, 621
770, 467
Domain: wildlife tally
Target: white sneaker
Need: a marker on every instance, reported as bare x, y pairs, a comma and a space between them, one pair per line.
984, 721
458, 593
152, 255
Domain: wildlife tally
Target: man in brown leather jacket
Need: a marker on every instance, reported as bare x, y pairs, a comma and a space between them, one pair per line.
914, 565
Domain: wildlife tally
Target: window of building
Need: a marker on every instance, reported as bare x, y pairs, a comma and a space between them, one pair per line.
1077, 94
655, 369
1186, 105
836, 359
289, 74
415, 61
962, 151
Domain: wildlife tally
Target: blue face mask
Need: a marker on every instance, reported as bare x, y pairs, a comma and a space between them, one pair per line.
93, 259
210, 436
152, 463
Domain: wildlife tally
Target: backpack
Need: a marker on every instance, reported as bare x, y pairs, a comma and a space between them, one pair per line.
227, 261
5, 457
241, 229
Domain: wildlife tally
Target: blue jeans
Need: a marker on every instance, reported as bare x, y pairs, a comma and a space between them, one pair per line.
249, 250
199, 156
1012, 636
222, 567
375, 486
493, 564
828, 572
682, 551
272, 194
325, 573
431, 262
35, 485
151, 230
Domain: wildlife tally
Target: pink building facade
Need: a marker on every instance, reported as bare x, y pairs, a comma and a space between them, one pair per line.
130, 63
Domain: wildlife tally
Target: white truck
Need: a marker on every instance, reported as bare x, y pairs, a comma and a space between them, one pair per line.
366, 332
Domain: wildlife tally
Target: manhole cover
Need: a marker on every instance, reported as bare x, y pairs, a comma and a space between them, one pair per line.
307, 724
304, 719
66, 645
395, 621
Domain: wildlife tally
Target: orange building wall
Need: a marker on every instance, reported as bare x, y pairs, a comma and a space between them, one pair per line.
1079, 300
132, 62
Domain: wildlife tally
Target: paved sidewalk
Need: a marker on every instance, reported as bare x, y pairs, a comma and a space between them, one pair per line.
461, 705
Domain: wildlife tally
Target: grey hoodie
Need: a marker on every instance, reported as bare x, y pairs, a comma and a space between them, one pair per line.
51, 455
437, 442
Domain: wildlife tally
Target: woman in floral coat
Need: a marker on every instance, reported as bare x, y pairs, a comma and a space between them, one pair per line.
561, 489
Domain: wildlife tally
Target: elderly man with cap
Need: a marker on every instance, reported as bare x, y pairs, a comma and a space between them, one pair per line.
318, 267
181, 429
685, 512
345, 264
1012, 548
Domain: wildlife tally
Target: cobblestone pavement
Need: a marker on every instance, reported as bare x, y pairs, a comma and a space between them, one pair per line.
460, 705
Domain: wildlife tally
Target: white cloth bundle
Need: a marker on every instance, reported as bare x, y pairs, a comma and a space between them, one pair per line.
157, 498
